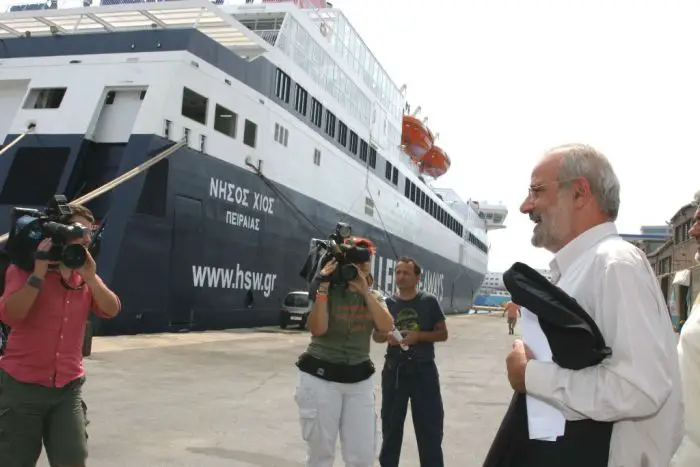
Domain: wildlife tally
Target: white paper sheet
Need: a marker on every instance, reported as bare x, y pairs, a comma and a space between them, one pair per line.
545, 422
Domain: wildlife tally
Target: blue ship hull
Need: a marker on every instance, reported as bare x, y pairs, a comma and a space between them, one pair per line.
490, 300
180, 258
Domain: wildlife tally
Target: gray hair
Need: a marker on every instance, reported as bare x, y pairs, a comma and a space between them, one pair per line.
696, 199
583, 161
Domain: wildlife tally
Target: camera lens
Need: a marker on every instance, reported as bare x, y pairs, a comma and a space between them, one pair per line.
74, 256
348, 272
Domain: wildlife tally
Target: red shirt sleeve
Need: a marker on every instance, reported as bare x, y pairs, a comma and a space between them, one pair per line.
96, 309
15, 279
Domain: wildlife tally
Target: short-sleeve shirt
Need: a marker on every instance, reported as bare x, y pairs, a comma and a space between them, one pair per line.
45, 347
422, 313
350, 325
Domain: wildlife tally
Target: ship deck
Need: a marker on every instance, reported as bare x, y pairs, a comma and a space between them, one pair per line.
226, 398
196, 14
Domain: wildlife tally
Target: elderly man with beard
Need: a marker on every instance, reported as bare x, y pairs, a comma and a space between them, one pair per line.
574, 198
688, 454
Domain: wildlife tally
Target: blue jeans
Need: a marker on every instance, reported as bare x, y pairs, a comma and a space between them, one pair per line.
418, 381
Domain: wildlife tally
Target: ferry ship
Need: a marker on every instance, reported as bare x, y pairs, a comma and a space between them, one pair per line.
281, 123
493, 291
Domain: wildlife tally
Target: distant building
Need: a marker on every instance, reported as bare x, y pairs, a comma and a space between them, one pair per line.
673, 262
650, 239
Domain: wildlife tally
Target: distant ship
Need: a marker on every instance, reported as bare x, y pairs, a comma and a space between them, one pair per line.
493, 291
286, 124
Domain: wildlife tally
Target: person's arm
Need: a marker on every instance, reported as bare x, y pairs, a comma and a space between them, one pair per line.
383, 321
379, 337
437, 316
105, 303
636, 380
18, 297
317, 321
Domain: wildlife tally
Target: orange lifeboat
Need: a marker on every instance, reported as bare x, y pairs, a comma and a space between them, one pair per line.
415, 138
435, 162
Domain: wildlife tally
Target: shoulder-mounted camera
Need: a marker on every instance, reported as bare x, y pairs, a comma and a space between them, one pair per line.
31, 226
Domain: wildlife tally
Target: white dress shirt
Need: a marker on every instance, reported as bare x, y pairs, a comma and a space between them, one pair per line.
688, 454
638, 386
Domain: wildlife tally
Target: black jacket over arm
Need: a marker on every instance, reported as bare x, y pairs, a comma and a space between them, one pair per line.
576, 343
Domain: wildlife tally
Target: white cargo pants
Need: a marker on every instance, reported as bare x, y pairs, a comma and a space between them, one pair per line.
325, 408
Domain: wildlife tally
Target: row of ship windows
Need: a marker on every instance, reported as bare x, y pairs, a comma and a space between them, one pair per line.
195, 107
348, 140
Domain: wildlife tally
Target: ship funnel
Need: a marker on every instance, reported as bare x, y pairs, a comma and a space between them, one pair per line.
416, 112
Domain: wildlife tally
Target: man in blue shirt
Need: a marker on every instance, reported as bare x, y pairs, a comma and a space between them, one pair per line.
412, 373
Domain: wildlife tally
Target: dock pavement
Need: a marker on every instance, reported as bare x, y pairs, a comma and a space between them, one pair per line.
225, 398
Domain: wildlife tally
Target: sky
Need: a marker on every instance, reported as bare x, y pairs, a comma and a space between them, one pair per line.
503, 81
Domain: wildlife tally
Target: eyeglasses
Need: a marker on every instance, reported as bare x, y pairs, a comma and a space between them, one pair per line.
534, 190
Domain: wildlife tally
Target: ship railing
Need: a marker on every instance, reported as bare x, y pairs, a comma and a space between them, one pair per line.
269, 35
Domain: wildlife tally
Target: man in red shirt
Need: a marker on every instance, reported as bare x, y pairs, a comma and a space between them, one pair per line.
41, 372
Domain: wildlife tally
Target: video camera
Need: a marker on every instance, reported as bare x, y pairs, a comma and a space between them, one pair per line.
346, 255
31, 226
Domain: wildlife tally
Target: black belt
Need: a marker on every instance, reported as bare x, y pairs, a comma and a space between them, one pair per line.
336, 372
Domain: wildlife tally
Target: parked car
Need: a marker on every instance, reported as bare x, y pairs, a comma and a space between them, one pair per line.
295, 309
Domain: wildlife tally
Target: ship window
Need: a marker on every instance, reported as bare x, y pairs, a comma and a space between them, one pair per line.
43, 183
317, 156
413, 192
372, 157
202, 143
154, 193
387, 171
281, 134
353, 142
300, 100
330, 124
395, 176
166, 128
282, 84
45, 98
250, 133
225, 121
407, 188
110, 98
194, 106
316, 112
342, 134
364, 148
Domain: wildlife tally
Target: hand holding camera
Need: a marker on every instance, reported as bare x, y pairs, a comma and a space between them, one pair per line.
41, 263
328, 269
359, 284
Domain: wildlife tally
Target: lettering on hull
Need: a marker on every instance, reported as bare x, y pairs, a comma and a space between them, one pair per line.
241, 220
230, 278
245, 198
384, 278
238, 195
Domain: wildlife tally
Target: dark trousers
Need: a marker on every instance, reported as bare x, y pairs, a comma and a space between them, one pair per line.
418, 381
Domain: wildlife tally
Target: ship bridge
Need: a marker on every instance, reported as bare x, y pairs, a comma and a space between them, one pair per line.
62, 17
494, 214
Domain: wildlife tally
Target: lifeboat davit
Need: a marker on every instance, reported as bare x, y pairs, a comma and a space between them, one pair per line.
435, 162
415, 138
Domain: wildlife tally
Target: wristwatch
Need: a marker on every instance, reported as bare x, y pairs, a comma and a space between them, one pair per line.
34, 281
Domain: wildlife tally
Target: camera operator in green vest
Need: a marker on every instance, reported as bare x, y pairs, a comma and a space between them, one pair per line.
335, 393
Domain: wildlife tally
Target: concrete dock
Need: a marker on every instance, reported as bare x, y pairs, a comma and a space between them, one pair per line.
226, 398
